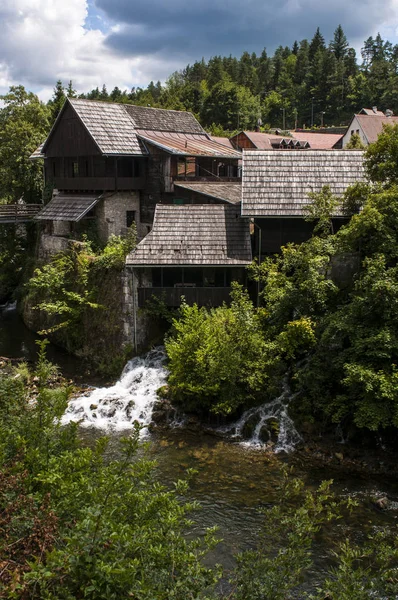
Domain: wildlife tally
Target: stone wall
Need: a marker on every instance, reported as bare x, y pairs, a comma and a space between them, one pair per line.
49, 245
111, 214
61, 228
138, 326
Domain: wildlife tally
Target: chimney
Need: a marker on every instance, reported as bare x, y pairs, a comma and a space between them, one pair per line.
389, 112
374, 108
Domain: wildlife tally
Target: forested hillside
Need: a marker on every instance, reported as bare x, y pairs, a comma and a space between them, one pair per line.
310, 81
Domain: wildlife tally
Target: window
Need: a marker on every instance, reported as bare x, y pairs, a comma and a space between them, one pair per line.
130, 217
75, 169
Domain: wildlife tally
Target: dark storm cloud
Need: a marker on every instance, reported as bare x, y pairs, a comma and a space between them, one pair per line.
207, 27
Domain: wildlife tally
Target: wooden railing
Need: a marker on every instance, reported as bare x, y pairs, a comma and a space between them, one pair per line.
99, 183
202, 296
18, 213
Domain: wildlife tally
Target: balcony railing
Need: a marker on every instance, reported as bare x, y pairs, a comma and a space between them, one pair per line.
99, 183
202, 296
18, 213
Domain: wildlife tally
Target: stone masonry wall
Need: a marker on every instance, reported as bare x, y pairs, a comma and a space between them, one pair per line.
111, 214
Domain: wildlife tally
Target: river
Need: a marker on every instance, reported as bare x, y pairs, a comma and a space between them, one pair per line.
234, 481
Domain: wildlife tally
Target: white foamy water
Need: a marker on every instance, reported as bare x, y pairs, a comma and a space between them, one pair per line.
288, 436
9, 307
131, 398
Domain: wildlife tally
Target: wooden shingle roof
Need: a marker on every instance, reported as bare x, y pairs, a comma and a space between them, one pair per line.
277, 183
68, 207
195, 234
109, 125
160, 119
225, 191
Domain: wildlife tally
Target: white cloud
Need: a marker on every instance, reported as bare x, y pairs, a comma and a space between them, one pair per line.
46, 40
128, 43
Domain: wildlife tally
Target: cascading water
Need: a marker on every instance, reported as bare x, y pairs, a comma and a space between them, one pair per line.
264, 416
9, 307
131, 398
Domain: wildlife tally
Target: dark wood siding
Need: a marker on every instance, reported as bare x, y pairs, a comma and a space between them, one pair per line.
241, 141
70, 138
279, 232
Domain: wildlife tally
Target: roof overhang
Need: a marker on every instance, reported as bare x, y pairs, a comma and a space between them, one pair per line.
217, 191
68, 207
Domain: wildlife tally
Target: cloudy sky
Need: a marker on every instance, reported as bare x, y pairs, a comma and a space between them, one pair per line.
130, 42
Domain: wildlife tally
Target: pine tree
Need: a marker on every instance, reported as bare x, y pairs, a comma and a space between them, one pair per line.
339, 45
70, 91
317, 43
58, 99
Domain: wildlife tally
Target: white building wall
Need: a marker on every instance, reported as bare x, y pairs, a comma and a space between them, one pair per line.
354, 127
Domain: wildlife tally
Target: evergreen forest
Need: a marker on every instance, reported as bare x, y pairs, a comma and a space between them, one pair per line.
310, 83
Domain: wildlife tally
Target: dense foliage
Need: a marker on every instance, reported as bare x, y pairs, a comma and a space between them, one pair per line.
24, 124
308, 83
77, 523
328, 320
67, 298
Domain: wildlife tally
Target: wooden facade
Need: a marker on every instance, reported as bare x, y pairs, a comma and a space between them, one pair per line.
104, 147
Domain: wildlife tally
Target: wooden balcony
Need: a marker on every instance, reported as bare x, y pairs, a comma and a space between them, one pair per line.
202, 296
99, 183
18, 213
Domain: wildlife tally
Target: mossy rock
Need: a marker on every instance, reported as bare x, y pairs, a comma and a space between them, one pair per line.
249, 427
163, 392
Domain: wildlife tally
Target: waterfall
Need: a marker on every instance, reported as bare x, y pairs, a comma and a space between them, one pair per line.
8, 307
263, 419
131, 398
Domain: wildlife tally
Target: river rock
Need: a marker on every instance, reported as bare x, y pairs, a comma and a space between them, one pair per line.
163, 412
381, 503
264, 435
249, 427
273, 428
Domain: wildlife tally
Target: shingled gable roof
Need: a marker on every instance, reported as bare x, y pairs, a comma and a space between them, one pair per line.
160, 119
108, 124
276, 184
195, 235
123, 129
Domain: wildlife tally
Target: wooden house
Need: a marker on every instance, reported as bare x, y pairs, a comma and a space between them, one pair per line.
368, 124
276, 185
115, 162
256, 140
294, 140
193, 251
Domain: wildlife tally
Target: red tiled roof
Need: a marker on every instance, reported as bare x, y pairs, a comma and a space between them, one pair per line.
370, 112
317, 141
222, 140
372, 126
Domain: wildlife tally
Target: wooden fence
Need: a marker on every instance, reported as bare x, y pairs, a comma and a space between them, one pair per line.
18, 213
